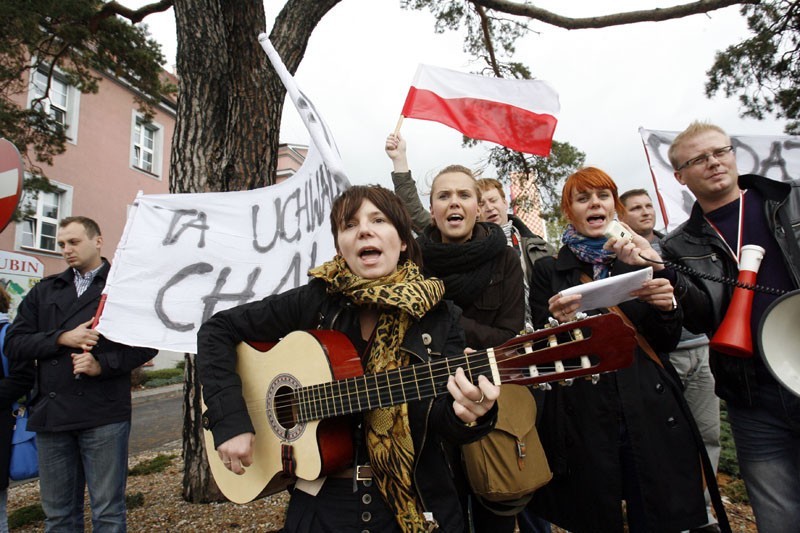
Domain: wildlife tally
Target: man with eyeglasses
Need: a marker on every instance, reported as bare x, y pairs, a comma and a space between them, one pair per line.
732, 211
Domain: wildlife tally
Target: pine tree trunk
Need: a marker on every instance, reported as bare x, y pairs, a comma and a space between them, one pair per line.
227, 134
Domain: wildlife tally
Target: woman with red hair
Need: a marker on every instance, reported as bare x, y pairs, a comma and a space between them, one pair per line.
628, 437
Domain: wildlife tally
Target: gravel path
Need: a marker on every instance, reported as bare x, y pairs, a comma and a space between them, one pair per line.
164, 509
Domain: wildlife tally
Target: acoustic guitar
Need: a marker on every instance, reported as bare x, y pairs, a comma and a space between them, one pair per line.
300, 391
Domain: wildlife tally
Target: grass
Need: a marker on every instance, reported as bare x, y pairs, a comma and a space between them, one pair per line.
23, 516
157, 464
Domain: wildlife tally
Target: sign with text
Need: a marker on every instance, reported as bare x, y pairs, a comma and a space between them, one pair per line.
773, 156
18, 274
186, 256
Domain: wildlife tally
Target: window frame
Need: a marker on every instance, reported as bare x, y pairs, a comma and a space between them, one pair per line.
71, 108
157, 151
65, 195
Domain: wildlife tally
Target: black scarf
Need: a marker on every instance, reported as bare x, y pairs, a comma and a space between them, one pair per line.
465, 268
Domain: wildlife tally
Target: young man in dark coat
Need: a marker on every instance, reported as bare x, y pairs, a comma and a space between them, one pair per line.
81, 410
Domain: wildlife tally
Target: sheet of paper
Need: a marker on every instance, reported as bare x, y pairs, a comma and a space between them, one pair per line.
609, 291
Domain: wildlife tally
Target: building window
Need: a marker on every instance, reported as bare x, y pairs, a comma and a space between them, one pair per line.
147, 139
60, 100
45, 209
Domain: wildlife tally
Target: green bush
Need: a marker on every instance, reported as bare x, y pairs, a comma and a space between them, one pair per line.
159, 382
163, 373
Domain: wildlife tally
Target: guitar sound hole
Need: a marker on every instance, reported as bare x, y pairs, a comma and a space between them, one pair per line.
285, 411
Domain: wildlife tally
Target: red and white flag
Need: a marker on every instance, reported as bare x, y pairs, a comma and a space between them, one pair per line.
518, 114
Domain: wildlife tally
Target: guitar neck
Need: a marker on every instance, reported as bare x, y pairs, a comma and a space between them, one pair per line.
388, 388
597, 344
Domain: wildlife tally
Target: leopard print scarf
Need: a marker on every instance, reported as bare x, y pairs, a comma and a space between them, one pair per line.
401, 295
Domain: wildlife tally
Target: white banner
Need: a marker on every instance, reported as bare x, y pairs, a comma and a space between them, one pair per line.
183, 257
773, 156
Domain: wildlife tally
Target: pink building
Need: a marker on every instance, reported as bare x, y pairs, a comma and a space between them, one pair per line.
290, 158
525, 203
111, 155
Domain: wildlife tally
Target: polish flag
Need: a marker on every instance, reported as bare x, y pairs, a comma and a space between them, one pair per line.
518, 114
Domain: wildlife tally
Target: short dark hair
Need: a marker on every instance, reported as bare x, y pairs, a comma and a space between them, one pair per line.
633, 192
92, 229
346, 205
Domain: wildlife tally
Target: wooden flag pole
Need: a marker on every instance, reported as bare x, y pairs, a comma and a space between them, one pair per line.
399, 123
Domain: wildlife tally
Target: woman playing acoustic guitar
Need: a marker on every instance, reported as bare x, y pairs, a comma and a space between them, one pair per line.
373, 292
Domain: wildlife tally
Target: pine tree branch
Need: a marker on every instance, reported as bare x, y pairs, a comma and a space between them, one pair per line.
605, 21
134, 15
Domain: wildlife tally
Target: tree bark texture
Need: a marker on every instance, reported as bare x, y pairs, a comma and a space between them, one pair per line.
227, 134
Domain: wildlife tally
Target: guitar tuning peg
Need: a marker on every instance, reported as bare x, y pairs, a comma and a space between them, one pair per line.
543, 386
581, 315
567, 382
595, 378
552, 322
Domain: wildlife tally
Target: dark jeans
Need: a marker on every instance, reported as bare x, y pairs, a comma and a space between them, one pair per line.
767, 439
71, 460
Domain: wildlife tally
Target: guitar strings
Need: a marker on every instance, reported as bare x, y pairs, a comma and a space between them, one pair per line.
328, 397
507, 375
325, 393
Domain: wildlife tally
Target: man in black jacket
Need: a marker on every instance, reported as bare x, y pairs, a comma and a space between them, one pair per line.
81, 410
732, 211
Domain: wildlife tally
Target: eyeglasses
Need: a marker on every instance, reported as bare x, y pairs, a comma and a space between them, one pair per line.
703, 159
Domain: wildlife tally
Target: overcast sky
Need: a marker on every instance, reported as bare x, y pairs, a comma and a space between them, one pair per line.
362, 57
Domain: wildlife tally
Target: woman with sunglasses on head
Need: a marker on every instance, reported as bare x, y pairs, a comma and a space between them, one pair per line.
630, 436
373, 292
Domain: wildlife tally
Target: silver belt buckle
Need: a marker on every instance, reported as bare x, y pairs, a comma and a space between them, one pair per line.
363, 472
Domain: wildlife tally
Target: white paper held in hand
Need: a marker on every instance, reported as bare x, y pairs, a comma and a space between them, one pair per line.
609, 291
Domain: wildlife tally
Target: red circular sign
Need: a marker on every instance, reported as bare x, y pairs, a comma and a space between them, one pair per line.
11, 169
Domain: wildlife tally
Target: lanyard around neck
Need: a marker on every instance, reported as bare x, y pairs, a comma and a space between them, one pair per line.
739, 232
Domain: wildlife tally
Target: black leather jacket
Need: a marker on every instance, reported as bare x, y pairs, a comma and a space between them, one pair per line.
696, 245
435, 429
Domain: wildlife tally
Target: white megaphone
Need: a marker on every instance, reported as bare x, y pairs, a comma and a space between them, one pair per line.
778, 339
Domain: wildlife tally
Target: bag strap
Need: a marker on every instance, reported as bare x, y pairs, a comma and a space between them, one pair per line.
2, 348
643, 344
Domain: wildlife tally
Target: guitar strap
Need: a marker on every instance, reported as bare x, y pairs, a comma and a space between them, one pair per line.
288, 462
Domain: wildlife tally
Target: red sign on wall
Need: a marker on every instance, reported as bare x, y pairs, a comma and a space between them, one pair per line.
11, 169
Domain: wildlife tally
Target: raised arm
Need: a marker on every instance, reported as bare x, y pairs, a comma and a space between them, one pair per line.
404, 185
